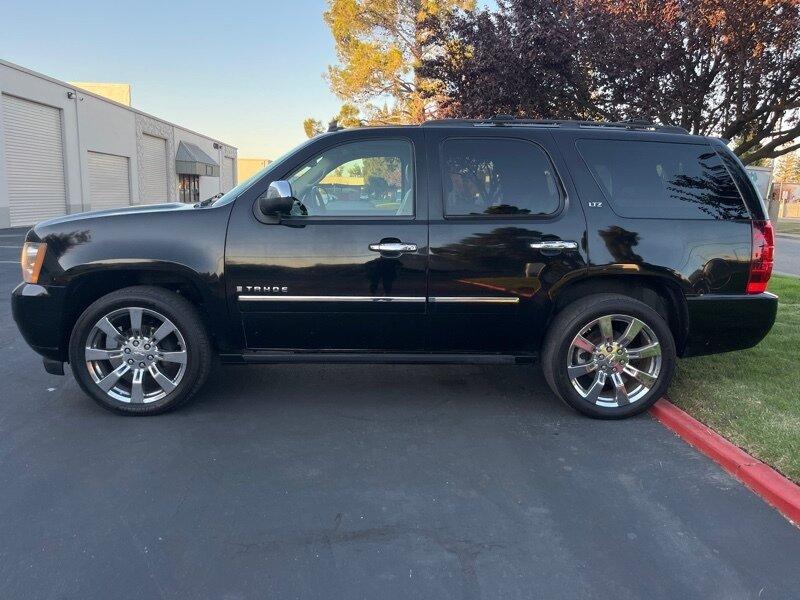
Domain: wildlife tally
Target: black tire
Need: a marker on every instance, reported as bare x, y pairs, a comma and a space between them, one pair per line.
196, 349
572, 320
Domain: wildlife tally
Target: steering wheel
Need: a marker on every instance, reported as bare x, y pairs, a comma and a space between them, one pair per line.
320, 198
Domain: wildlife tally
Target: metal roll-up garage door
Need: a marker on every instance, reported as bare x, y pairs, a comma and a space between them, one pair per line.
227, 174
109, 181
34, 161
154, 170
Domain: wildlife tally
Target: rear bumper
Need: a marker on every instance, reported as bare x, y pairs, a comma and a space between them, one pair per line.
721, 323
39, 314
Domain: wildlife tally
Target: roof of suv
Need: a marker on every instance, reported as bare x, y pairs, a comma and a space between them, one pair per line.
510, 121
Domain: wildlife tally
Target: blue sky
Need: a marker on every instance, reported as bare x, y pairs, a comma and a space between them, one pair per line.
247, 73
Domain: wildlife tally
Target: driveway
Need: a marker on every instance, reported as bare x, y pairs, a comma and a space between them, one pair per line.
364, 482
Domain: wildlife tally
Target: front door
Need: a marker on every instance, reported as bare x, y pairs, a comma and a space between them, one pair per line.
348, 269
504, 232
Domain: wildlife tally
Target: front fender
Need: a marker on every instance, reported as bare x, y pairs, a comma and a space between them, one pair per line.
97, 253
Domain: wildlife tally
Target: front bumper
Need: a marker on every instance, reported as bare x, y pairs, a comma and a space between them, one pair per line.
39, 314
721, 323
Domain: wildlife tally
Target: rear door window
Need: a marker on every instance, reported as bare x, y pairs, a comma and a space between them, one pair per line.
498, 176
662, 180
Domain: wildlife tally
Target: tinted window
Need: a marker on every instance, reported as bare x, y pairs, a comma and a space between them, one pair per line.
369, 178
496, 176
663, 180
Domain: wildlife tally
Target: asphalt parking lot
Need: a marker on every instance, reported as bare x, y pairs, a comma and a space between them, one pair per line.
363, 482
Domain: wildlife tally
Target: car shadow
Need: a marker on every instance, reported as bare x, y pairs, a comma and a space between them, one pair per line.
376, 391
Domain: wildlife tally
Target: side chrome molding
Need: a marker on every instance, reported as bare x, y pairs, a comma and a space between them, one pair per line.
438, 299
284, 298
476, 299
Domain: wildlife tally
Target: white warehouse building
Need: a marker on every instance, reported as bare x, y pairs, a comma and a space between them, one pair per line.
66, 150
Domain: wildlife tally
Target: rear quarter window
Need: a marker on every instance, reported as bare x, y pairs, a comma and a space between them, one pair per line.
662, 180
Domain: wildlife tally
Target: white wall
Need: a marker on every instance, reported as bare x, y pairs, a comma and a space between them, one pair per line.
18, 83
105, 128
91, 123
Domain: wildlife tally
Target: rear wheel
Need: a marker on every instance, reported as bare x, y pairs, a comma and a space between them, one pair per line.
609, 356
140, 350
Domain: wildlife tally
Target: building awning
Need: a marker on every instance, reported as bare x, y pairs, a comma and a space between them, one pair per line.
191, 160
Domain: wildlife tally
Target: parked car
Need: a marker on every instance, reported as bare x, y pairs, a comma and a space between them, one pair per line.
602, 251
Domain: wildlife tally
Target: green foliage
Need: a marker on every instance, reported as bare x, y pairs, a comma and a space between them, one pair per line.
385, 168
348, 116
751, 396
312, 127
787, 226
380, 44
715, 67
787, 168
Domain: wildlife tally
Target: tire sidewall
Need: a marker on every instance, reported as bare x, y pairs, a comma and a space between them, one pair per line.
105, 305
632, 308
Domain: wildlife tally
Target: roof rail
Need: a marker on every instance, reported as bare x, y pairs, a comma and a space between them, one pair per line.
510, 121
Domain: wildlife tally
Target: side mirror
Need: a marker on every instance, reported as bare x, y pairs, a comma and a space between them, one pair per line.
278, 200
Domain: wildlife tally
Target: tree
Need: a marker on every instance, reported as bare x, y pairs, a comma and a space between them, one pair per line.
787, 168
312, 127
348, 117
716, 67
380, 44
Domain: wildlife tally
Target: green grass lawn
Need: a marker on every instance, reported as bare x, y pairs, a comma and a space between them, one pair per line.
752, 397
785, 226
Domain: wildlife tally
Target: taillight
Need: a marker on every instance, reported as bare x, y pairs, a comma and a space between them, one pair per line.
762, 257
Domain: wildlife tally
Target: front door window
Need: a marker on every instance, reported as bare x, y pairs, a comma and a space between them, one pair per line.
373, 178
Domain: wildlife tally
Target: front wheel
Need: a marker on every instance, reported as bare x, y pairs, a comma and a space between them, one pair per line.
140, 350
609, 356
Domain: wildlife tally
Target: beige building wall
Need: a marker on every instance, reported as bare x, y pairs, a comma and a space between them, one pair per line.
118, 92
94, 124
246, 167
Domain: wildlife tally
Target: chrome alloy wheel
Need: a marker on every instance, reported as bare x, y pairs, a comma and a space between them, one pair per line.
136, 355
614, 360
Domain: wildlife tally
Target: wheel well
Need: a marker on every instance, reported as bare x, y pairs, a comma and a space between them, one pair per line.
661, 295
88, 288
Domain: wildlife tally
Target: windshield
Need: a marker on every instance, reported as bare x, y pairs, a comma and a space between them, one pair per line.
231, 195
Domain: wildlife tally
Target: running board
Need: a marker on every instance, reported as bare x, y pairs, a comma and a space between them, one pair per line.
422, 358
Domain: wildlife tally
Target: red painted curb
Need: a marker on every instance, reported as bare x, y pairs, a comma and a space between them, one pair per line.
765, 481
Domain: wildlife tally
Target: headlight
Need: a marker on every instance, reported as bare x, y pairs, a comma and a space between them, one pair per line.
32, 259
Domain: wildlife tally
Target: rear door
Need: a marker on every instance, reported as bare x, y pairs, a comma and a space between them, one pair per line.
504, 233
348, 271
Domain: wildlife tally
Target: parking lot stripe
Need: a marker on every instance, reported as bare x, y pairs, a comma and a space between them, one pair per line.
774, 488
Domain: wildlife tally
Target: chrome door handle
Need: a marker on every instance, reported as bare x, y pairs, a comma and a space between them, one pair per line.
395, 247
554, 245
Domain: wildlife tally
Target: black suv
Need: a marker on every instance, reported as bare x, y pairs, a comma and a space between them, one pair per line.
601, 250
